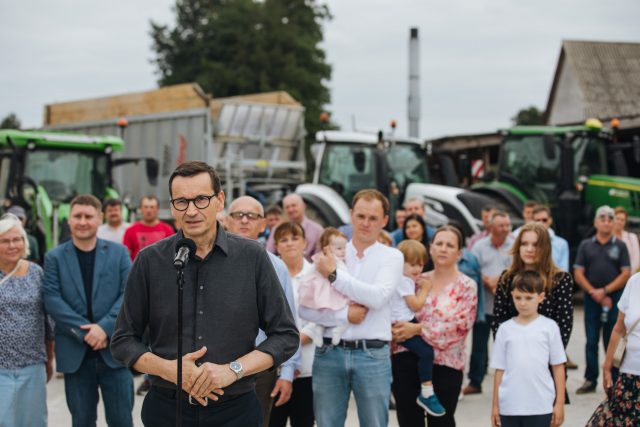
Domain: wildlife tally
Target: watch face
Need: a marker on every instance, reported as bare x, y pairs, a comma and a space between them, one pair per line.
235, 366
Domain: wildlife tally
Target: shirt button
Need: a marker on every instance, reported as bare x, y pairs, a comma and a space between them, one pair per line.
201, 287
201, 312
200, 337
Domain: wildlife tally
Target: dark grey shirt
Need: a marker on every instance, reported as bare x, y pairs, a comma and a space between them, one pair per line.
602, 263
228, 296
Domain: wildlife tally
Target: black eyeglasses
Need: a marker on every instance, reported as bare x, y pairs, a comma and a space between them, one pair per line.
252, 216
200, 202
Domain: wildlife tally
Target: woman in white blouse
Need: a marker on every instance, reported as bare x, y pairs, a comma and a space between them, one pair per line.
290, 243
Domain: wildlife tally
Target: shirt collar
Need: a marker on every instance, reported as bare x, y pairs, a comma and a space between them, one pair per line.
352, 249
222, 239
613, 239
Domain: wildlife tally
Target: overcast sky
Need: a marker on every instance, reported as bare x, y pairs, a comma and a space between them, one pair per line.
481, 61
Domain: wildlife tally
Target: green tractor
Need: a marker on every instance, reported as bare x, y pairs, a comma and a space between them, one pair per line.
43, 171
571, 169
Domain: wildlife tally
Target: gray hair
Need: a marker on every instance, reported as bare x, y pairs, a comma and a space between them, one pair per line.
9, 221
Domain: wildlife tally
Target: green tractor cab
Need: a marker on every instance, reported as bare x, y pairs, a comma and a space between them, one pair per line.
43, 171
571, 169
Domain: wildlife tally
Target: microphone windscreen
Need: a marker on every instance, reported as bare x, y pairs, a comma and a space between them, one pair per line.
188, 243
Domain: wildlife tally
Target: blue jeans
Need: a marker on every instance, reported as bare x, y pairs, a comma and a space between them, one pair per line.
23, 396
338, 371
479, 352
116, 387
424, 351
593, 325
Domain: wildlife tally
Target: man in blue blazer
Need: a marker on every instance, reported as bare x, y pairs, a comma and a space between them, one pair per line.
83, 287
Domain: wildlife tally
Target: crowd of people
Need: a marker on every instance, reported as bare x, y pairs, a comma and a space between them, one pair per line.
285, 319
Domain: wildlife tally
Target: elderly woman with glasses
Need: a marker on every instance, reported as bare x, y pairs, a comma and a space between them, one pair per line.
26, 346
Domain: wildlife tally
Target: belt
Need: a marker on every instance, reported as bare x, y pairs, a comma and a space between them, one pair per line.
171, 394
357, 344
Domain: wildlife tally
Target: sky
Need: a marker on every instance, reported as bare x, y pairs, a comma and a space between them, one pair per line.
481, 60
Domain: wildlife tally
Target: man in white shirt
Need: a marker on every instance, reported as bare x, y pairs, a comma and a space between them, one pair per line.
361, 361
114, 228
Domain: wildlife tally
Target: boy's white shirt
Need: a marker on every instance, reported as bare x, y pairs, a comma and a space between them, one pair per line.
525, 352
400, 311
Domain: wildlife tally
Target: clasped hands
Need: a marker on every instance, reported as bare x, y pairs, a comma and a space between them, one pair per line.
204, 381
96, 337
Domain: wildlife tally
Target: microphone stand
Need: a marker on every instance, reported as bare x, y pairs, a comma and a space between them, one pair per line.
180, 281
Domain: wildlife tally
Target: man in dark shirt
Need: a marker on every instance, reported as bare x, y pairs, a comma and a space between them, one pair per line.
84, 282
231, 290
601, 269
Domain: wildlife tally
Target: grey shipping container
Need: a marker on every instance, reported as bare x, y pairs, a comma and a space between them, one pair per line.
255, 147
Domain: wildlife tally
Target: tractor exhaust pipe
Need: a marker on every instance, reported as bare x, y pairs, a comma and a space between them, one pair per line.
414, 84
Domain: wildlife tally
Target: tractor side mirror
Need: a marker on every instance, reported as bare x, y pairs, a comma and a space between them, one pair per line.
549, 147
152, 168
359, 161
27, 191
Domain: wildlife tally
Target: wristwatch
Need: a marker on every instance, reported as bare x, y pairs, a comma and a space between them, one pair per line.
236, 367
333, 276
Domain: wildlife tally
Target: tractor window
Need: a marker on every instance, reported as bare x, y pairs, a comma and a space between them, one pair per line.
65, 174
408, 164
534, 167
348, 169
590, 156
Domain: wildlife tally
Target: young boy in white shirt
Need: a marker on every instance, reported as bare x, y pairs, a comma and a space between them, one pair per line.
404, 304
524, 391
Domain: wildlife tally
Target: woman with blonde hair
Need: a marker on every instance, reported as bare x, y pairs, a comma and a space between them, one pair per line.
26, 347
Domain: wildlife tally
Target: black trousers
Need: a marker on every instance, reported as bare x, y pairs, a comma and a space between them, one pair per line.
299, 409
526, 420
265, 381
447, 383
159, 410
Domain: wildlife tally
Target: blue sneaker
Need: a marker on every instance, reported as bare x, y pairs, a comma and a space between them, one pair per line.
432, 405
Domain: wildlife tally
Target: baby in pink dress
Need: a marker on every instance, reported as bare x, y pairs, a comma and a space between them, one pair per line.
316, 292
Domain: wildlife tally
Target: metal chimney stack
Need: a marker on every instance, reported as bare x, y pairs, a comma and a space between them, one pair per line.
414, 84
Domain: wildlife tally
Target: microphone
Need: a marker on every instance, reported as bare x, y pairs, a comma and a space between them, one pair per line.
185, 249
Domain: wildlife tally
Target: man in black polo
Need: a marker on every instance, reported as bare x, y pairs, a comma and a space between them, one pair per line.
231, 291
601, 269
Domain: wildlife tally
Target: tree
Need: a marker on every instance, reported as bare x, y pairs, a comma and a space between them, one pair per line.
235, 47
11, 121
528, 116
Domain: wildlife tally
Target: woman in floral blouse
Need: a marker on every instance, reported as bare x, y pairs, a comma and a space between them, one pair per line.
445, 320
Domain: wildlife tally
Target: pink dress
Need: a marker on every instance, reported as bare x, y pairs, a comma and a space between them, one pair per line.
317, 293
447, 319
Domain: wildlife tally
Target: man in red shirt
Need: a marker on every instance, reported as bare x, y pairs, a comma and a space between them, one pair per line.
148, 230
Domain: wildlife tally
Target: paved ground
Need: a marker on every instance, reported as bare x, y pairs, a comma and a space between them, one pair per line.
473, 411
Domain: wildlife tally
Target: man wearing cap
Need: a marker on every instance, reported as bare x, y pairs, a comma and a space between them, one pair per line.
601, 269
34, 249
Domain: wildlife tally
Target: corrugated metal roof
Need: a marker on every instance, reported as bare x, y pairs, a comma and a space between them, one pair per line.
608, 75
